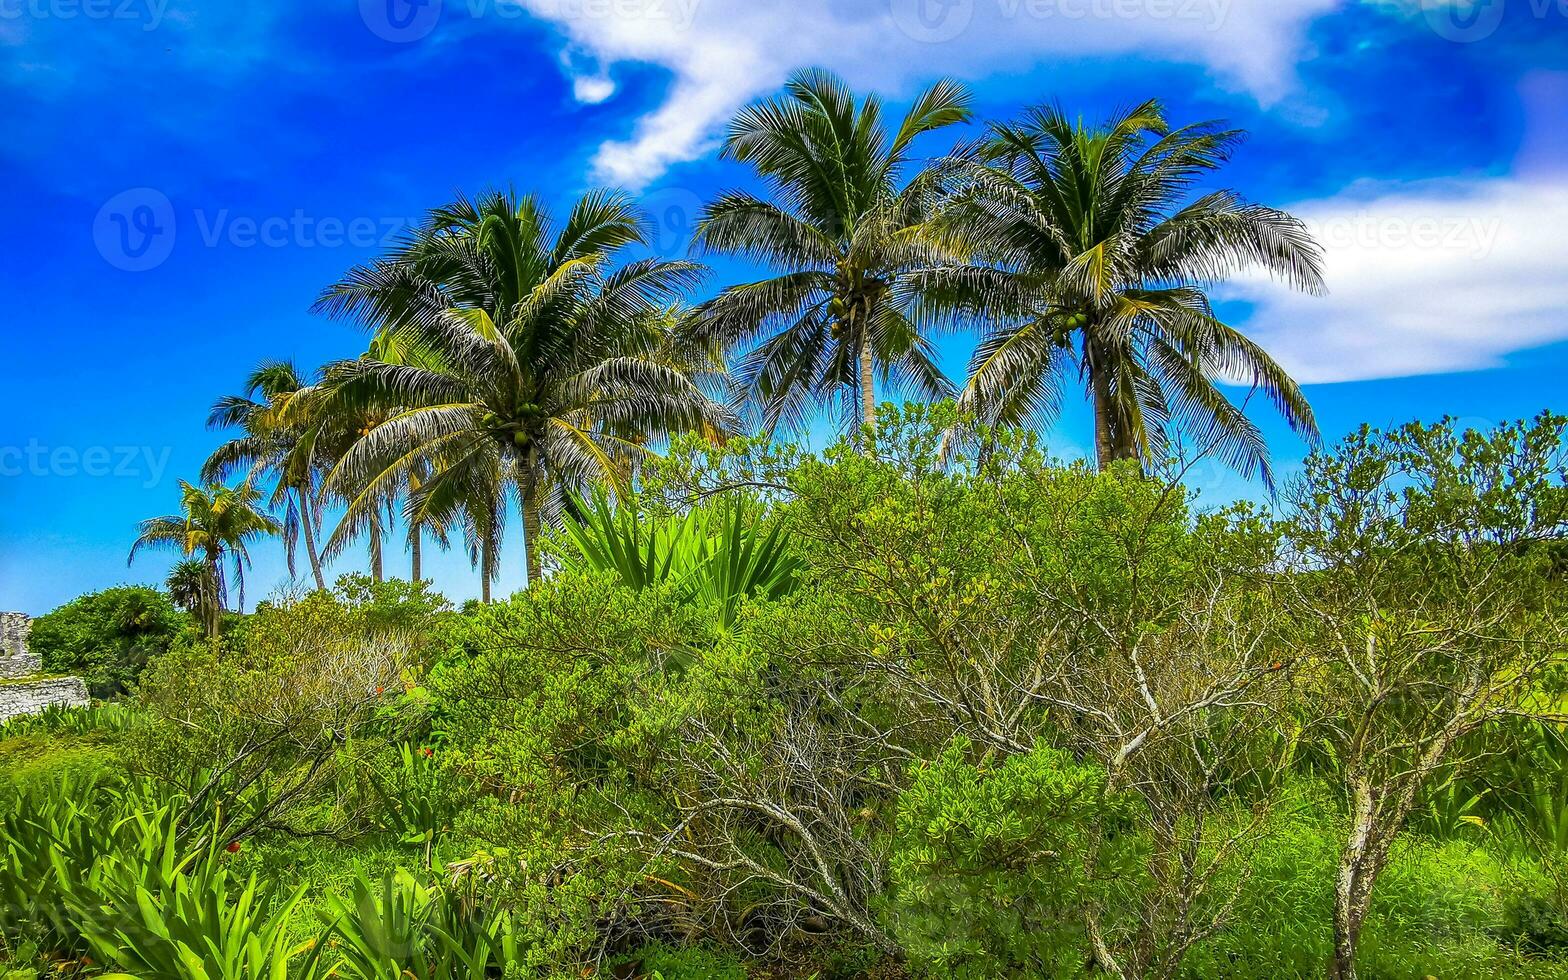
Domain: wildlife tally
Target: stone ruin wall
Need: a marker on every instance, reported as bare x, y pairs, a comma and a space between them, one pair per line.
19, 697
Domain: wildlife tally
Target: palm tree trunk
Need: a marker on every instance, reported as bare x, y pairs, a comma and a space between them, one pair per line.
868, 398
415, 542
486, 570
307, 518
213, 610
529, 481
1102, 416
376, 573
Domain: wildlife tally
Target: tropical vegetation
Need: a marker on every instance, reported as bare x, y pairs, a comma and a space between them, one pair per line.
930, 702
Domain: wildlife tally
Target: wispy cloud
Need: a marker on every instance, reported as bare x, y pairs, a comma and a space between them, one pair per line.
1424, 279
723, 53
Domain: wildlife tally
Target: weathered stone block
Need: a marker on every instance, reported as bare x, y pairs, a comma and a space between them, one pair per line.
15, 661
31, 697
35, 693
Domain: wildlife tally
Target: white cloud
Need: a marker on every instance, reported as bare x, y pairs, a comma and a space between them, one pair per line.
1424, 279
723, 53
592, 89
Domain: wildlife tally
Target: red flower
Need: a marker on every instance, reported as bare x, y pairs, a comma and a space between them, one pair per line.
429, 753
379, 690
234, 847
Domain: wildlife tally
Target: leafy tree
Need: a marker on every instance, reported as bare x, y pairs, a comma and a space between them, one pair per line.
537, 360
107, 637
1425, 608
1010, 601
1100, 267
278, 443
846, 229
217, 524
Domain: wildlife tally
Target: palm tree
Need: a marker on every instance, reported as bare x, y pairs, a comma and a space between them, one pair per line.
216, 523
277, 442
530, 366
846, 227
190, 588
1101, 267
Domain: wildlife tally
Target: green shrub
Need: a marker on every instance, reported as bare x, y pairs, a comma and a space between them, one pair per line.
989, 860
158, 912
399, 927
664, 962
107, 638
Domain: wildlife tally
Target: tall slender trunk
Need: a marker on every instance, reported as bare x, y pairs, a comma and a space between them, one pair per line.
415, 548
1102, 417
486, 569
528, 480
376, 572
213, 605
1113, 436
868, 398
307, 520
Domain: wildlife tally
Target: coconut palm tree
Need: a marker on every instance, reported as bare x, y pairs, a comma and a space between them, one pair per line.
190, 588
278, 443
846, 226
217, 524
528, 364
1102, 258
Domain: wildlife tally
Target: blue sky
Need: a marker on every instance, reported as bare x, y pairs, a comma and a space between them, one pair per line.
181, 178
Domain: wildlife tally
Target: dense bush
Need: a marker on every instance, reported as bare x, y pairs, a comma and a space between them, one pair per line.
107, 638
898, 710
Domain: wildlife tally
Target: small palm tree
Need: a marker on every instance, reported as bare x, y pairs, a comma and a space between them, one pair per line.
217, 524
845, 229
190, 588
1101, 262
275, 442
527, 361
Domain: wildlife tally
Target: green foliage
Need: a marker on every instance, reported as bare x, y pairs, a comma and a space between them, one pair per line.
159, 913
417, 800
392, 605
715, 557
399, 928
989, 863
380, 930
107, 638
68, 823
658, 961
